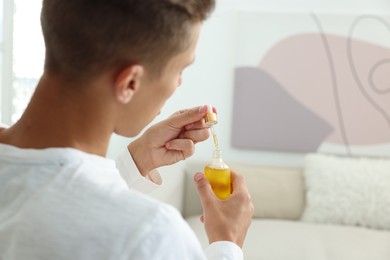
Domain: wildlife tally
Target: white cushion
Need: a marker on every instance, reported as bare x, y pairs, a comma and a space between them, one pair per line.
350, 191
294, 240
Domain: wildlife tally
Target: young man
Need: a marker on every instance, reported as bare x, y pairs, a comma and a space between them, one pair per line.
109, 68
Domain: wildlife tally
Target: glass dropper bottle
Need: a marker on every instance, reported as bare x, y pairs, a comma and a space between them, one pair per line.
217, 172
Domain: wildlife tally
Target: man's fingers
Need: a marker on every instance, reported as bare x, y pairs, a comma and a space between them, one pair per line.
186, 146
240, 189
204, 189
197, 125
196, 135
187, 116
238, 182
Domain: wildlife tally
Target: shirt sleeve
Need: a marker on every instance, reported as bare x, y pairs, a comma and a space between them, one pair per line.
224, 250
170, 237
133, 178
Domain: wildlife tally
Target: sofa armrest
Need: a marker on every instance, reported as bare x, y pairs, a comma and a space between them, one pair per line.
191, 201
277, 192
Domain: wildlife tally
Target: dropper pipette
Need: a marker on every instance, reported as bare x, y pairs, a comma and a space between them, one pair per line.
211, 120
215, 139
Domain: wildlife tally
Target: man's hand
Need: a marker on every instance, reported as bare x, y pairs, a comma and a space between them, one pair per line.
170, 141
225, 220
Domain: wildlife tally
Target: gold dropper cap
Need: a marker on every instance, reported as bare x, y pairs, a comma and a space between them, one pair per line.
210, 118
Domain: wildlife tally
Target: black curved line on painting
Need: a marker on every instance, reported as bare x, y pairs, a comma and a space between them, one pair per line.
353, 68
371, 77
334, 83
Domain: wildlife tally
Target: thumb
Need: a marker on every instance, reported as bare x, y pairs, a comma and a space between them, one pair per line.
204, 189
187, 116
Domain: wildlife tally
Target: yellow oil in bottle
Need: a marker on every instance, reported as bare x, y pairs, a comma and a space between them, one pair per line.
217, 172
219, 180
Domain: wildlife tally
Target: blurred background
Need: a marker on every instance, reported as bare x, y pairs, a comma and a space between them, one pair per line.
209, 81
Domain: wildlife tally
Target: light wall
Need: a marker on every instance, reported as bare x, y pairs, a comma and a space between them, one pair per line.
210, 79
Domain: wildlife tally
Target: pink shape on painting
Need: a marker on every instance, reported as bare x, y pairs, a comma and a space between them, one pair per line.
302, 66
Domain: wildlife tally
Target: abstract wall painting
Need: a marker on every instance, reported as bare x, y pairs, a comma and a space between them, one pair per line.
313, 83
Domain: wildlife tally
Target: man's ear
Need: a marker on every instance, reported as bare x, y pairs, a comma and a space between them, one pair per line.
127, 83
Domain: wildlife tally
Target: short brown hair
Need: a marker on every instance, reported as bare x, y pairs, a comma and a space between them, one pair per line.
85, 37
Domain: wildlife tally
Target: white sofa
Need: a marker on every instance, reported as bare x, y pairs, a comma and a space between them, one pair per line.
276, 232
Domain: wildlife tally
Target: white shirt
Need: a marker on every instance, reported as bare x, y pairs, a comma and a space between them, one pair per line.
61, 203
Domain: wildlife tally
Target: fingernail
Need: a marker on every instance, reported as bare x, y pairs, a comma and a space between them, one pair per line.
198, 177
202, 109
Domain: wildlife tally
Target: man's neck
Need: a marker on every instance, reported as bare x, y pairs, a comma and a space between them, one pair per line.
64, 116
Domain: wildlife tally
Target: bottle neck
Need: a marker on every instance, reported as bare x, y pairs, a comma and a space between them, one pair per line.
217, 161
217, 154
